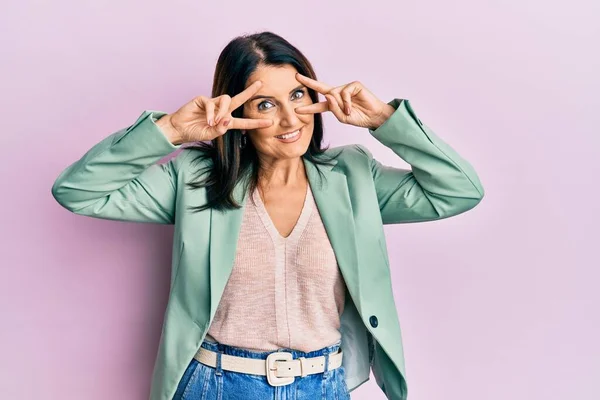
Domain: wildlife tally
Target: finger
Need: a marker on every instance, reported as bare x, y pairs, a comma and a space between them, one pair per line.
244, 95
346, 95
223, 126
210, 113
198, 106
313, 108
313, 84
335, 108
251, 123
336, 93
224, 104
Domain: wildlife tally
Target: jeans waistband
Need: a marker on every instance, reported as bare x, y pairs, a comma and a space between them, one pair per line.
240, 352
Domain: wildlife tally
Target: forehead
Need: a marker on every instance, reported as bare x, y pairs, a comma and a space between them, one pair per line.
275, 79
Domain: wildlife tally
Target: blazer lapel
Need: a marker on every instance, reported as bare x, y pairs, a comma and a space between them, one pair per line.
333, 202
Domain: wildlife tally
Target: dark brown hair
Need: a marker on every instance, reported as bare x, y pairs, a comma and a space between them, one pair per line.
238, 60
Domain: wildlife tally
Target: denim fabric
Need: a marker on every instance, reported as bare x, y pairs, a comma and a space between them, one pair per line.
201, 382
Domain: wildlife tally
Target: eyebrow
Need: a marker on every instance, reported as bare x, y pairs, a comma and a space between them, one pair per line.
271, 97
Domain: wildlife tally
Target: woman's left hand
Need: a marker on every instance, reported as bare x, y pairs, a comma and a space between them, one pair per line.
351, 104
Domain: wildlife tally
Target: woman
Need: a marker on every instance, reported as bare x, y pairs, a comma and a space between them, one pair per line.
288, 294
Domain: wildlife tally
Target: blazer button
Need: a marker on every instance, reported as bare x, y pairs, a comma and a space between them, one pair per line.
373, 321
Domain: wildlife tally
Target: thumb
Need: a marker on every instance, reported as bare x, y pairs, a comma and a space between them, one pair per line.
222, 126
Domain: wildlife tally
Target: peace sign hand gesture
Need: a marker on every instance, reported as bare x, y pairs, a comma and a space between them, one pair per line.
351, 104
206, 118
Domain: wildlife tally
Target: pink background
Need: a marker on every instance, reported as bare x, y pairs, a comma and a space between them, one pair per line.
498, 303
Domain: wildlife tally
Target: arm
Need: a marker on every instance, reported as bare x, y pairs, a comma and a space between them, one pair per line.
118, 179
441, 183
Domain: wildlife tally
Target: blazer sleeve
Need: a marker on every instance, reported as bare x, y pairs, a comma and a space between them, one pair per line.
440, 183
119, 179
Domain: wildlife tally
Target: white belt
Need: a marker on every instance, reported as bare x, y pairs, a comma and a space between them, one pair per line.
279, 367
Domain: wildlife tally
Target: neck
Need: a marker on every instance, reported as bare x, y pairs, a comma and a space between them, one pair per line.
282, 173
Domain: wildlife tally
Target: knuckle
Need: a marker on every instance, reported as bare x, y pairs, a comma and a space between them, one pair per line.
225, 105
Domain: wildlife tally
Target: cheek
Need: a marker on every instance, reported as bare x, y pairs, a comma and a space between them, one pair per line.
307, 119
308, 133
263, 135
251, 113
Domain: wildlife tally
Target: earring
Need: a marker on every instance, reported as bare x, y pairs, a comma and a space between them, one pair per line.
244, 141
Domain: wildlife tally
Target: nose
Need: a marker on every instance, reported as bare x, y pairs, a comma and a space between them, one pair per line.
289, 116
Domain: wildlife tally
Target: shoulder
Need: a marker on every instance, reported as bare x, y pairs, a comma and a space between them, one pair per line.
192, 157
350, 154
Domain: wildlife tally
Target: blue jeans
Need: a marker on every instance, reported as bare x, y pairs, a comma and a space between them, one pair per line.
202, 382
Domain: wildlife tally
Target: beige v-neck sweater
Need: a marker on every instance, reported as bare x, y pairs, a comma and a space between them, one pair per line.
282, 292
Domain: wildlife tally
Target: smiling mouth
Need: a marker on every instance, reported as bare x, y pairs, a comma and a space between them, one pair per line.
289, 135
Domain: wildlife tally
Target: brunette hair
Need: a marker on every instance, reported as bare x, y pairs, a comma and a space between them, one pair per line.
230, 163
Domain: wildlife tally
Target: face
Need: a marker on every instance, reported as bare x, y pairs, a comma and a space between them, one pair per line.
277, 98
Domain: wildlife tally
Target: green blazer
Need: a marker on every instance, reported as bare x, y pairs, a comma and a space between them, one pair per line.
119, 179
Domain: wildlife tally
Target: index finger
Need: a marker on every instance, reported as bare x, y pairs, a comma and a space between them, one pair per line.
244, 95
313, 84
250, 123
313, 108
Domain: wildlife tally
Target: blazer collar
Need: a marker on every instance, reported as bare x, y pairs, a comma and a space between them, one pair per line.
333, 202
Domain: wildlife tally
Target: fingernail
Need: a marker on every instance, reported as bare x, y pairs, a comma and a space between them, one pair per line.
226, 123
210, 122
348, 110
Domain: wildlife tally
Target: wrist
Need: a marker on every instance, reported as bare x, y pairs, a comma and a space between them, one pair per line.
165, 125
385, 114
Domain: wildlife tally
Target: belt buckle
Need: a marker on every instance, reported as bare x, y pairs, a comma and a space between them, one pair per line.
271, 369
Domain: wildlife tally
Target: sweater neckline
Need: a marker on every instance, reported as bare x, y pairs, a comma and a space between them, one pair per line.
300, 223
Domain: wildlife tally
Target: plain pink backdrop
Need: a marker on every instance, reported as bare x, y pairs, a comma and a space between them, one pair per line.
498, 303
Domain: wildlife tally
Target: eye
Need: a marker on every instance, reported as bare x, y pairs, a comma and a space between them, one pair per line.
299, 91
262, 108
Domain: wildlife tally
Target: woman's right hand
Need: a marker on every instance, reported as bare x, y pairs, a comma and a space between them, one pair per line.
206, 118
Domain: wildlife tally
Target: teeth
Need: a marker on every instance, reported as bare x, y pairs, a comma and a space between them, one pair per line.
288, 135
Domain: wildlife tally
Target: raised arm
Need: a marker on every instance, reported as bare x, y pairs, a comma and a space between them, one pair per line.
441, 183
119, 179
